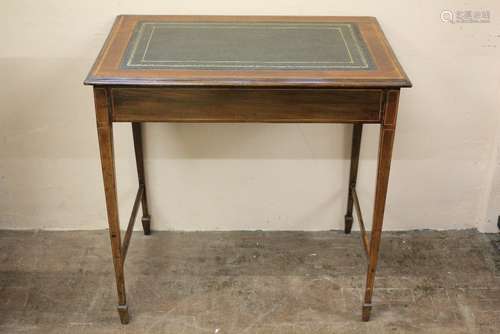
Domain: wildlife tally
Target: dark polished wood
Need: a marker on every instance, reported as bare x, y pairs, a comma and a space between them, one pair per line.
172, 85
105, 136
387, 130
245, 105
357, 131
139, 160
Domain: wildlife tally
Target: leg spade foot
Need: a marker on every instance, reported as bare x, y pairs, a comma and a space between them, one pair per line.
367, 308
146, 224
123, 313
348, 224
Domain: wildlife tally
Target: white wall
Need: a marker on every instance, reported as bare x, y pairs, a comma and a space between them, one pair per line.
445, 172
491, 199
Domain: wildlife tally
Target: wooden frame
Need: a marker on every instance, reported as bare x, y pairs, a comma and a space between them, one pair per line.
245, 96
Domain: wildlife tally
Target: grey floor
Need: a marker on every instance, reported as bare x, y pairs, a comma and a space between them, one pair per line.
250, 282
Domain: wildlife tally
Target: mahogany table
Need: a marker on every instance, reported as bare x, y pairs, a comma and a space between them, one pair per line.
246, 69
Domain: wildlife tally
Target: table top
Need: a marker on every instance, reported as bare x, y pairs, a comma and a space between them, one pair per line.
247, 51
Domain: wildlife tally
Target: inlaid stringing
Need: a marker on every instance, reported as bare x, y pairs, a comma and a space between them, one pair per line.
248, 45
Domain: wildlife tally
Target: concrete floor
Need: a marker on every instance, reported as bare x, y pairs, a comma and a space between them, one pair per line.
250, 282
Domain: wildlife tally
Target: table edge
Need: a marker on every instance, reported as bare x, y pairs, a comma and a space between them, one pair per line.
268, 83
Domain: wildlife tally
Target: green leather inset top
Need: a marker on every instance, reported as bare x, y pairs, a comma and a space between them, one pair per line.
247, 46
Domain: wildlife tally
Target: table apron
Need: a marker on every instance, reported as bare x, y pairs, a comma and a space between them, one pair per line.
167, 104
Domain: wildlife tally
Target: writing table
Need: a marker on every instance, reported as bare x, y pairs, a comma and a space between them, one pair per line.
246, 69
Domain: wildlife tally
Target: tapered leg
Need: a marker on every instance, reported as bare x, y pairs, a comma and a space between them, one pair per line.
139, 159
387, 130
356, 145
105, 134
